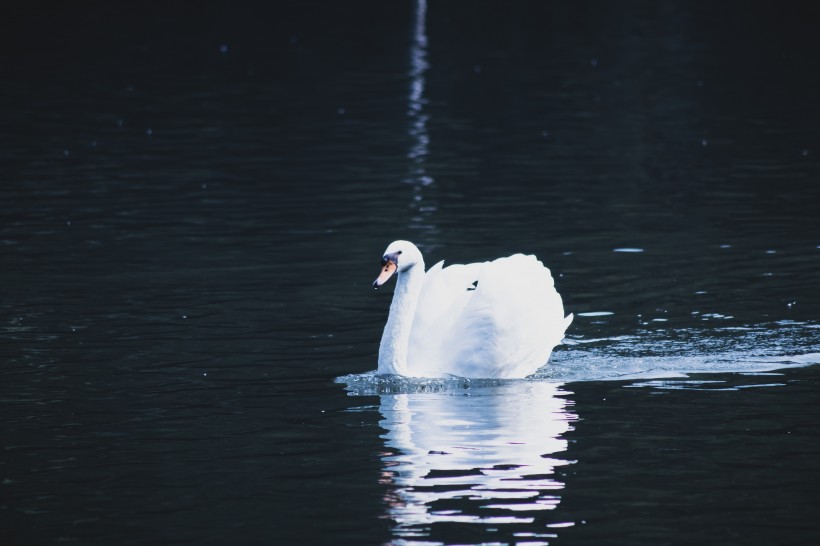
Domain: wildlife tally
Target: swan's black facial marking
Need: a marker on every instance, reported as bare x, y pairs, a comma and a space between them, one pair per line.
475, 285
392, 257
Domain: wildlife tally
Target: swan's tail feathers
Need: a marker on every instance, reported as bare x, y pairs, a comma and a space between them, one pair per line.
567, 322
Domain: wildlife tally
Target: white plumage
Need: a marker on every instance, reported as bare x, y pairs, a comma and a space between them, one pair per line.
498, 319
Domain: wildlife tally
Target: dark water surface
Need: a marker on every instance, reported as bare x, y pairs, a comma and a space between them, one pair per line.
193, 205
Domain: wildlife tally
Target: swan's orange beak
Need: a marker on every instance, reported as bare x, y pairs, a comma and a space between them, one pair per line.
387, 271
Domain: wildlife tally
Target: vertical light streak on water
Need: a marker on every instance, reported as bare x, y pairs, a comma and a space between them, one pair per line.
420, 138
418, 118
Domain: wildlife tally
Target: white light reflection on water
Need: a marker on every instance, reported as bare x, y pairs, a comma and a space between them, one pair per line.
418, 118
423, 208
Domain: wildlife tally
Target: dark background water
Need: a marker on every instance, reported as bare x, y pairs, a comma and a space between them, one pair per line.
192, 208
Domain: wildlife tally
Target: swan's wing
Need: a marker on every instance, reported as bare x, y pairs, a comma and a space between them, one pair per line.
445, 294
445, 290
510, 323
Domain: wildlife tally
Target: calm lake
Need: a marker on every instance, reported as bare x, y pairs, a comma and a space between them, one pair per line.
194, 202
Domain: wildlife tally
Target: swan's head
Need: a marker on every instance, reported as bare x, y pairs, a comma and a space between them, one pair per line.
399, 256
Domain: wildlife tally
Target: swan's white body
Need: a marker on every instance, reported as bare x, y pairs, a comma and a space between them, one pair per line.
492, 319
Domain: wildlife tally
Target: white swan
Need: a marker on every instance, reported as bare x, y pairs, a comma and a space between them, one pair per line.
491, 319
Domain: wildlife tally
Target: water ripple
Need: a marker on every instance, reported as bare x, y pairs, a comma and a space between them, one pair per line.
646, 355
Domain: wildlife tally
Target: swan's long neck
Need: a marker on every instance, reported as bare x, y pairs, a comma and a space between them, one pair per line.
396, 336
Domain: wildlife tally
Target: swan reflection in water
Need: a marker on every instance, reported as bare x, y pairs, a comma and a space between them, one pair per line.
483, 456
